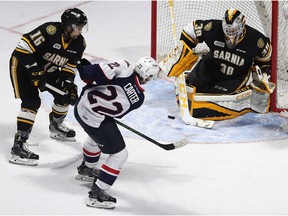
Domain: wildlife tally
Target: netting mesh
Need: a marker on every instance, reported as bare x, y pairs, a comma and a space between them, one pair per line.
258, 15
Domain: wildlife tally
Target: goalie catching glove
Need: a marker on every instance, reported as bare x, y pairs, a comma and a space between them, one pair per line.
261, 81
262, 88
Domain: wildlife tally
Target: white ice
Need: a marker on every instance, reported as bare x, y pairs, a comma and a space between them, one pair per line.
238, 167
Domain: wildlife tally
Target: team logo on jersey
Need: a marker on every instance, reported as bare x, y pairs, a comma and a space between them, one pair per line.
208, 26
51, 29
260, 43
219, 43
57, 46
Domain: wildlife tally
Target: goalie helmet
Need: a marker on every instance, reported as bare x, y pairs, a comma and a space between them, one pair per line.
233, 25
147, 68
74, 17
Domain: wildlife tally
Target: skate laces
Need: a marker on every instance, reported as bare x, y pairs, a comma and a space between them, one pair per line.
62, 127
26, 149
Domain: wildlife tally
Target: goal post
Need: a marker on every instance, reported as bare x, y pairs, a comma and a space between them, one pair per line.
265, 16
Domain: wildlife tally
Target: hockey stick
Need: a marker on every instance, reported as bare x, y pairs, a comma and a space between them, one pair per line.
169, 146
55, 89
181, 85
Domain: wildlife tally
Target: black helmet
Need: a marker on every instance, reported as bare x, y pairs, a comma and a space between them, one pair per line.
74, 16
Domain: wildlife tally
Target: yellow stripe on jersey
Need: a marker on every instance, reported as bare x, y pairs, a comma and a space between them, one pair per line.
13, 74
71, 65
22, 51
189, 38
29, 44
65, 44
68, 70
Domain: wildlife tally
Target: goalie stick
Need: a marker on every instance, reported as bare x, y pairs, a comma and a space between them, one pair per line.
167, 147
181, 85
183, 103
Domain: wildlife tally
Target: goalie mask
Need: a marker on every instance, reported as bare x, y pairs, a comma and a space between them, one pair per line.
147, 68
233, 25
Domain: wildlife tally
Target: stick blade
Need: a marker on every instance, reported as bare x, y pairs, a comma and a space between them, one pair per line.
201, 123
174, 145
181, 143
197, 122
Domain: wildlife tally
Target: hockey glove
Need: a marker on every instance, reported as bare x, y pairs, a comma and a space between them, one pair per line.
261, 81
71, 89
38, 77
81, 64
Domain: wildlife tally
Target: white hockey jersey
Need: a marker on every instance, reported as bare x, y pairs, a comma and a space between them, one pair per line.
115, 91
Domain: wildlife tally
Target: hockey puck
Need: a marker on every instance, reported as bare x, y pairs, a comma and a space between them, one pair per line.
171, 117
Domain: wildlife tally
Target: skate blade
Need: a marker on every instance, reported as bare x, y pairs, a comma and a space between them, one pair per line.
84, 178
61, 138
23, 161
96, 204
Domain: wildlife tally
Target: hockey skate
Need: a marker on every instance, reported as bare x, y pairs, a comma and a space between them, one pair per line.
21, 154
98, 198
86, 174
59, 131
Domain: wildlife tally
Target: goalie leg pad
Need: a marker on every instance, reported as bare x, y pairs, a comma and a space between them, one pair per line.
179, 60
219, 107
260, 100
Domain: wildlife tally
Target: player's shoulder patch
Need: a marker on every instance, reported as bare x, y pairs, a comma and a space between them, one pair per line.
208, 26
51, 29
260, 43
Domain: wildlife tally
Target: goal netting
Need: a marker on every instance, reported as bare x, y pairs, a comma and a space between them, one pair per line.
265, 16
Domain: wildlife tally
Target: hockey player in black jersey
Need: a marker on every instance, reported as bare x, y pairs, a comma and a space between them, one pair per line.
47, 54
235, 50
113, 91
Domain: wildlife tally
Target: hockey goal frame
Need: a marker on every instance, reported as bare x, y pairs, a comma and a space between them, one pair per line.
274, 42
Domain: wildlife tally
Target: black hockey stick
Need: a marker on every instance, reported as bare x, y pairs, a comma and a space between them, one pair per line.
169, 146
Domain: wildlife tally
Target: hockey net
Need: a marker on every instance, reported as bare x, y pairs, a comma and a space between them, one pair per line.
265, 16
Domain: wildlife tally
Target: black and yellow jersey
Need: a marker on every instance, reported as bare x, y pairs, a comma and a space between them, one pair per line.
253, 49
46, 46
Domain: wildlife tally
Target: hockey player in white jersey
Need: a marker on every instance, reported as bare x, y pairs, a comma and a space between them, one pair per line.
113, 89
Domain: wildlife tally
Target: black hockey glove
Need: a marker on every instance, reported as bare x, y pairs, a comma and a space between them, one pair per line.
71, 89
81, 64
38, 77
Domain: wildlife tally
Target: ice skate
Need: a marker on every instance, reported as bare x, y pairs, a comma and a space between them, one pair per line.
59, 131
98, 198
86, 174
21, 154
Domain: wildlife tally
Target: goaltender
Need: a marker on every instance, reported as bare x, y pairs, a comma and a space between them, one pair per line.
233, 77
